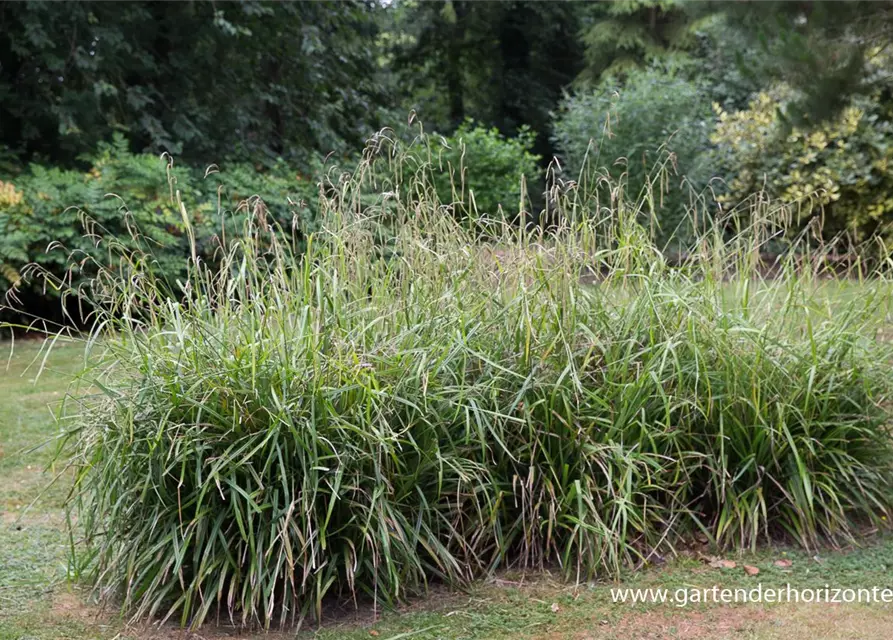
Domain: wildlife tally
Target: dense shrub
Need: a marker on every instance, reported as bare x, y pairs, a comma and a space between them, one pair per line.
633, 120
840, 169
715, 61
296, 429
44, 226
42, 210
501, 166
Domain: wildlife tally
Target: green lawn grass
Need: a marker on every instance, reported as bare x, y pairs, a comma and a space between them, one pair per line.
37, 602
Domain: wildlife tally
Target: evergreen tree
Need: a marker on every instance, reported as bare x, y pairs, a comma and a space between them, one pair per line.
826, 51
622, 35
504, 64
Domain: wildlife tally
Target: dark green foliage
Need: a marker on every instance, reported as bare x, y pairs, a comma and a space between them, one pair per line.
501, 166
503, 64
122, 193
823, 50
44, 212
718, 61
46, 228
624, 35
197, 79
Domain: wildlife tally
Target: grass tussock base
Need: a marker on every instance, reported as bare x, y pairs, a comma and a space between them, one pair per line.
421, 398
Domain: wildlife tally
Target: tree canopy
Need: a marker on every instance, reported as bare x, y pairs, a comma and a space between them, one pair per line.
262, 79
193, 78
826, 51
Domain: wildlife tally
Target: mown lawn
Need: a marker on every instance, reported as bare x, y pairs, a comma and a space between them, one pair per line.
36, 600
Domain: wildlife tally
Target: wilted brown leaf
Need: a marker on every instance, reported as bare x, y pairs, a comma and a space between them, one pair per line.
723, 564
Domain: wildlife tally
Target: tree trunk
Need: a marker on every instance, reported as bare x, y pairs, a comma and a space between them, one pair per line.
454, 63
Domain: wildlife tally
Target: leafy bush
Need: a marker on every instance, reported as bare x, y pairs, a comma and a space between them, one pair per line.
44, 226
284, 188
717, 63
53, 200
633, 120
501, 164
302, 428
840, 168
10, 204
42, 209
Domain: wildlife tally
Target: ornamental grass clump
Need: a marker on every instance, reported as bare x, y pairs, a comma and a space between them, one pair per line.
422, 396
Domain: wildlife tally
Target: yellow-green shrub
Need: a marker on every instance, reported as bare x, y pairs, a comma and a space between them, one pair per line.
840, 169
10, 200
